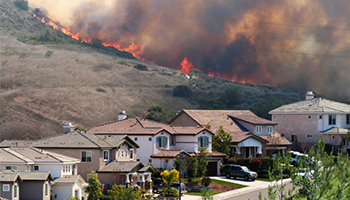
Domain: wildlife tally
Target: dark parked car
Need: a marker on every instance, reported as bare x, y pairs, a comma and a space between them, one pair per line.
238, 171
159, 188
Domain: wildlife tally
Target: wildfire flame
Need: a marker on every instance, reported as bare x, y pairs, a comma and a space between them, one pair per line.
186, 66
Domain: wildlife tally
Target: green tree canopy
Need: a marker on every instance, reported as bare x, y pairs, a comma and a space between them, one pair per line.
202, 159
169, 177
159, 113
93, 189
222, 141
182, 91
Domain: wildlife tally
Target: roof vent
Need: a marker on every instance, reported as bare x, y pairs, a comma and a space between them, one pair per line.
68, 127
309, 95
122, 115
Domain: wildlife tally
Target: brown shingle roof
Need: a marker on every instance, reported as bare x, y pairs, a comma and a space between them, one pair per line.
169, 154
276, 140
35, 176
121, 166
70, 179
9, 176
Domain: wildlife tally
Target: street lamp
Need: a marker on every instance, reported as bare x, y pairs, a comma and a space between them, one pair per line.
180, 190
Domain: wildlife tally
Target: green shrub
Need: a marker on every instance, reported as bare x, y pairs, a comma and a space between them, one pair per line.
22, 4
182, 91
206, 181
171, 192
123, 62
141, 67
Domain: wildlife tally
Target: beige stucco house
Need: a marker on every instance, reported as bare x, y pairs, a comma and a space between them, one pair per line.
252, 136
302, 122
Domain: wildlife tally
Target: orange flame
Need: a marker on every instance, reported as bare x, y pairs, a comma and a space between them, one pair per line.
186, 66
135, 49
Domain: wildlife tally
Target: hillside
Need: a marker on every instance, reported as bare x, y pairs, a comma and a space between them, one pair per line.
44, 86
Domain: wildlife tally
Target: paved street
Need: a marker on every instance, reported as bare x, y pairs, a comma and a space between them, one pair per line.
250, 192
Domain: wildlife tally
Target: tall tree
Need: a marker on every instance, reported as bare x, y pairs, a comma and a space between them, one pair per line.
202, 158
222, 141
93, 189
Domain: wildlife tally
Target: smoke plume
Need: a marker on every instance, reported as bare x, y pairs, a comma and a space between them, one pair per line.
293, 43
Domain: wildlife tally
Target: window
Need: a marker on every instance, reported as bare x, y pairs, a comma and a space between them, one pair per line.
36, 168
126, 153
284, 117
269, 129
86, 156
258, 129
294, 138
320, 117
46, 189
309, 116
274, 116
309, 136
66, 168
118, 153
149, 160
150, 139
105, 155
6, 187
172, 140
162, 142
203, 141
332, 120
135, 139
122, 153
131, 154
347, 119
15, 191
11, 167
333, 137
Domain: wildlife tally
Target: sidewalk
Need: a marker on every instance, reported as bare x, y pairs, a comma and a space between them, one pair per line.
252, 186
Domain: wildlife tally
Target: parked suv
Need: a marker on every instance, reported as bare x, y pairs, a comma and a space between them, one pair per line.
239, 171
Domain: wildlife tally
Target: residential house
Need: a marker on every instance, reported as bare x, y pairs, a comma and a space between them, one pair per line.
25, 185
161, 143
95, 153
302, 122
9, 184
251, 135
69, 185
38, 160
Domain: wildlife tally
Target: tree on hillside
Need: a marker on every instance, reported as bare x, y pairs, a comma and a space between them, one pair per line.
262, 107
93, 189
222, 141
22, 4
202, 158
230, 97
182, 91
159, 113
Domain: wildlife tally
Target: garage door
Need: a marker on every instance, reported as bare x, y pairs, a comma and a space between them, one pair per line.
212, 169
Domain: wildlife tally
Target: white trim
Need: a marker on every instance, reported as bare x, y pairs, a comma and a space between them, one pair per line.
103, 155
258, 129
81, 156
8, 186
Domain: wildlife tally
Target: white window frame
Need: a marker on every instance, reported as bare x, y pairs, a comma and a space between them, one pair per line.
86, 156
15, 191
6, 187
259, 129
11, 167
332, 119
122, 153
202, 142
162, 142
46, 189
103, 154
269, 129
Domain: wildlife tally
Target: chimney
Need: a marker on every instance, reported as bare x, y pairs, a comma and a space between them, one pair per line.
122, 115
309, 95
68, 127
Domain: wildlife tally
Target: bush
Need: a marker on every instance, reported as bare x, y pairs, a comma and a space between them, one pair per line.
172, 192
141, 67
182, 91
22, 4
255, 164
206, 181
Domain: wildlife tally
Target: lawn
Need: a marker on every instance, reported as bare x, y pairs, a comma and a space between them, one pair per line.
263, 179
219, 187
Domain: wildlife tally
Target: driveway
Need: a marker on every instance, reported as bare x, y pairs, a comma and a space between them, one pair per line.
252, 187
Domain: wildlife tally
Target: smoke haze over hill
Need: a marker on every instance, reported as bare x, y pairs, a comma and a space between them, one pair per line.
302, 44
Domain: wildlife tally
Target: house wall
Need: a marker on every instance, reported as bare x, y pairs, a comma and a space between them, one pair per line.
84, 168
336, 141
184, 120
112, 178
20, 167
298, 124
252, 128
164, 163
62, 191
55, 170
30, 190
190, 143
9, 194
126, 149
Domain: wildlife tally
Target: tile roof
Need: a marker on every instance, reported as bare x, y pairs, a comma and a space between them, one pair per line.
169, 154
31, 155
35, 176
213, 154
121, 166
139, 126
335, 130
9, 176
72, 140
315, 105
276, 140
70, 179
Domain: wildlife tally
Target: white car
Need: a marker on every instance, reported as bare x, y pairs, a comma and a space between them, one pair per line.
295, 156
